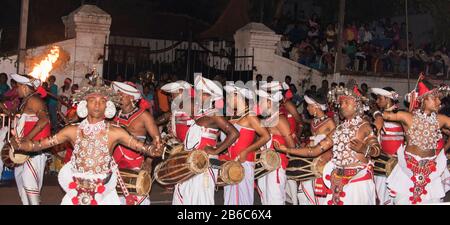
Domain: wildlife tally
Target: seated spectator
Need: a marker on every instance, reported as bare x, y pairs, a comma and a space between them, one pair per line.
3, 85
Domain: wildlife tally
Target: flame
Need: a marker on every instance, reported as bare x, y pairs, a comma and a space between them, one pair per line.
42, 69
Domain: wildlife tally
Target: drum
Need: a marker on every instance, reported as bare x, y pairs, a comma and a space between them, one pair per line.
5, 156
230, 172
301, 169
136, 182
384, 164
9, 157
266, 162
181, 166
172, 146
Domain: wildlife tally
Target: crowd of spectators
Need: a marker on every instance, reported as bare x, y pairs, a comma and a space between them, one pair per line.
378, 47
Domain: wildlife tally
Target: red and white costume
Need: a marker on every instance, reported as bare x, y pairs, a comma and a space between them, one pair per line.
124, 157
180, 121
272, 187
307, 189
291, 185
391, 140
90, 178
198, 190
242, 193
416, 179
29, 176
348, 185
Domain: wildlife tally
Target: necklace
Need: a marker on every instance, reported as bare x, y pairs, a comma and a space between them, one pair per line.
24, 101
92, 129
128, 115
318, 121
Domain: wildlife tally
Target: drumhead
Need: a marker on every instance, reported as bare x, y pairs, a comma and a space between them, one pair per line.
270, 159
17, 158
198, 161
143, 183
232, 172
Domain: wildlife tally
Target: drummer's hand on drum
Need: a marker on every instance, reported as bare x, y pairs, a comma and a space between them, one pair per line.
357, 145
210, 150
14, 143
280, 147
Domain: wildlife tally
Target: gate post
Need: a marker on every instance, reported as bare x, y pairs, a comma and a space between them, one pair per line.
90, 27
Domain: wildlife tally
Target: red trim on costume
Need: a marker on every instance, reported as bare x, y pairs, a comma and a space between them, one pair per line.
392, 138
420, 178
246, 138
280, 139
28, 127
339, 181
127, 158
128, 121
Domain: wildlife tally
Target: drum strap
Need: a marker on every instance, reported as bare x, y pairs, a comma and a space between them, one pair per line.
130, 199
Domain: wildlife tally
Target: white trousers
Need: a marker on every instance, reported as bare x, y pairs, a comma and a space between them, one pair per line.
108, 197
29, 177
198, 190
272, 187
306, 195
291, 192
382, 190
242, 193
399, 181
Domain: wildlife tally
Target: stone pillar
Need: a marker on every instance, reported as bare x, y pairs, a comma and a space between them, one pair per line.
261, 39
90, 27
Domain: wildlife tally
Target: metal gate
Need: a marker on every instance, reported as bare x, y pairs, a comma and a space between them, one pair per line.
176, 58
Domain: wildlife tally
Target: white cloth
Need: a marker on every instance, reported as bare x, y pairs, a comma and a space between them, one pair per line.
306, 194
108, 197
356, 193
242, 193
271, 191
29, 177
291, 192
382, 191
3, 133
127, 89
198, 190
399, 181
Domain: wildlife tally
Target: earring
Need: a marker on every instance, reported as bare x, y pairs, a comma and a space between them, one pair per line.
82, 110
110, 110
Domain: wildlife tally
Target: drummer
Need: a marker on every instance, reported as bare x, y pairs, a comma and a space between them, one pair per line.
390, 133
34, 124
138, 122
313, 191
178, 120
203, 134
251, 137
349, 174
289, 110
91, 177
271, 187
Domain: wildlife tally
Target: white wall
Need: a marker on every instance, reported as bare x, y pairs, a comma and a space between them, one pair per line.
66, 69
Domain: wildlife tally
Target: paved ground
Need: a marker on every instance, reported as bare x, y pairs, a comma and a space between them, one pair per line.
52, 194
